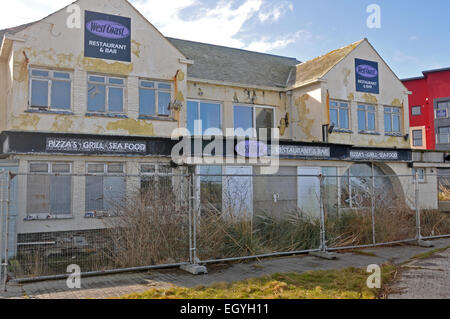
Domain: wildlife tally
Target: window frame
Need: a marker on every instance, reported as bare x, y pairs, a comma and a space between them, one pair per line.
366, 117
438, 135
50, 78
422, 179
415, 107
339, 108
414, 139
157, 90
254, 107
107, 85
391, 114
220, 103
447, 109
105, 168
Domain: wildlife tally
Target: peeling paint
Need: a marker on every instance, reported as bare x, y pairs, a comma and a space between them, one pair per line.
136, 48
25, 122
351, 97
62, 124
61, 60
304, 123
98, 65
369, 98
346, 72
132, 127
396, 102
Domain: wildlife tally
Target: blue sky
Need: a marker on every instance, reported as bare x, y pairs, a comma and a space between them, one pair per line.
412, 38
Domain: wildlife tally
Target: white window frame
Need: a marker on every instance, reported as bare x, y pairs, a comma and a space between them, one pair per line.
339, 107
391, 115
424, 175
414, 139
366, 116
157, 90
50, 78
105, 168
107, 86
254, 107
198, 109
447, 110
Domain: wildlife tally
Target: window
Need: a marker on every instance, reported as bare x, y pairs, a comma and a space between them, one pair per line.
416, 110
420, 174
202, 116
105, 94
154, 98
417, 138
339, 115
392, 120
366, 117
253, 117
443, 135
156, 178
105, 187
442, 109
50, 89
49, 190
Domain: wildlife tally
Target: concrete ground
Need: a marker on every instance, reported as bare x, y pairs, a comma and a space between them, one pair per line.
431, 280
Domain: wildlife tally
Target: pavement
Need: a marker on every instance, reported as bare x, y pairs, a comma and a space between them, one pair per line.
425, 278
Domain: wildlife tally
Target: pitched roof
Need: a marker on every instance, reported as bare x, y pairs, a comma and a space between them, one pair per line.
218, 63
14, 30
316, 68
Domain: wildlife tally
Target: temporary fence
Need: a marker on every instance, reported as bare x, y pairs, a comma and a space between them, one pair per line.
109, 222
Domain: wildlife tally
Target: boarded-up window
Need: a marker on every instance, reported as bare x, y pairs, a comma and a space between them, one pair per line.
50, 191
105, 191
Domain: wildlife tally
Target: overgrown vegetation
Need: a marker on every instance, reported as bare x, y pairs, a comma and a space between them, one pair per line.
349, 283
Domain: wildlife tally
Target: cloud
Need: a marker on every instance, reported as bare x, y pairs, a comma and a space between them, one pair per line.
266, 44
413, 38
401, 57
273, 12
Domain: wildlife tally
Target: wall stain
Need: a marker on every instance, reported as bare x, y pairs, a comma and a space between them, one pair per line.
304, 123
132, 127
396, 102
61, 60
351, 97
62, 124
369, 98
136, 48
346, 72
98, 65
25, 122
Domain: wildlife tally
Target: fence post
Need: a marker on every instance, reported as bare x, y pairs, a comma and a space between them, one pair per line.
416, 191
323, 246
7, 211
190, 198
2, 224
374, 240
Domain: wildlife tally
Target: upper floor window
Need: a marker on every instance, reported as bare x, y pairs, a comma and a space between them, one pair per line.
253, 118
442, 110
417, 138
202, 116
443, 135
392, 119
50, 89
416, 110
105, 94
154, 98
366, 117
339, 115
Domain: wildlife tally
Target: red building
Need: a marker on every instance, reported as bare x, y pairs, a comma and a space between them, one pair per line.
429, 110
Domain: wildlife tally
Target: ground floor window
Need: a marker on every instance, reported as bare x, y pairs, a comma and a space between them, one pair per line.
105, 187
157, 180
49, 189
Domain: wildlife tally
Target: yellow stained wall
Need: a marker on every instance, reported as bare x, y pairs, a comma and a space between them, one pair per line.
51, 44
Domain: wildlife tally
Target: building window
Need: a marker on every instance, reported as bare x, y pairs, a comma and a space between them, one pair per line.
442, 111
416, 110
49, 190
339, 115
417, 138
420, 174
443, 135
392, 120
202, 115
253, 118
366, 117
50, 89
105, 187
154, 98
156, 177
105, 94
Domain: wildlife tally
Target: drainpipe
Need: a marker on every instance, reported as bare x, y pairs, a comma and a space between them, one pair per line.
291, 111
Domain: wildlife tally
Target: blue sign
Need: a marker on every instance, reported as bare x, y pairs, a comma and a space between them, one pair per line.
441, 114
367, 77
107, 37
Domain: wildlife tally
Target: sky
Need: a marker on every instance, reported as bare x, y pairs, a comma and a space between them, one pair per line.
412, 34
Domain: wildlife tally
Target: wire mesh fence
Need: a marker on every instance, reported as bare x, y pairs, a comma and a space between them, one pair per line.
109, 221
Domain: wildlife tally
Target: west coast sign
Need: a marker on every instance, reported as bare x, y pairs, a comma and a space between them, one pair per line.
367, 76
107, 37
